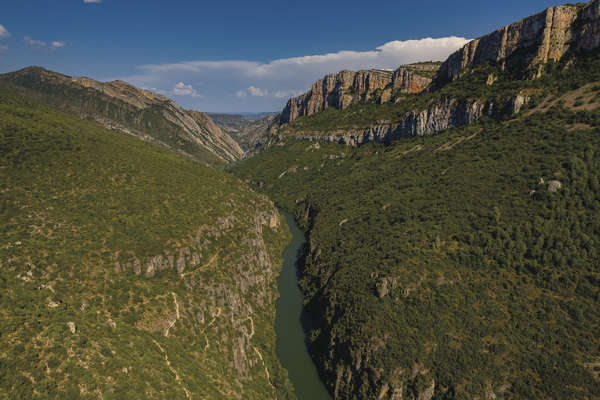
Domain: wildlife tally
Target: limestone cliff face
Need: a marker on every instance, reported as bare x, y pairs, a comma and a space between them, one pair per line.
229, 314
221, 140
347, 87
535, 40
250, 133
122, 107
447, 114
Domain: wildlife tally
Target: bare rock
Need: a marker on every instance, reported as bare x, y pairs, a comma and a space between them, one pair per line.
554, 186
345, 88
533, 41
72, 327
428, 393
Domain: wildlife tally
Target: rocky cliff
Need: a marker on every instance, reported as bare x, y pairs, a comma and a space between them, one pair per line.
447, 114
533, 41
250, 133
220, 139
525, 46
127, 271
347, 87
122, 107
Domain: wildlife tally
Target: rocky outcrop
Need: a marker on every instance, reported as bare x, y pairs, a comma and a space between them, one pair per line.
533, 41
122, 107
447, 114
251, 133
221, 140
347, 87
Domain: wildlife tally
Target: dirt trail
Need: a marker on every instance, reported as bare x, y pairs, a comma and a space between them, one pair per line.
451, 145
209, 263
177, 316
258, 353
208, 326
173, 370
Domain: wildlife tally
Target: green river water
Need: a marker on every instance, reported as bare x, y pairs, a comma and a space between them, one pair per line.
291, 338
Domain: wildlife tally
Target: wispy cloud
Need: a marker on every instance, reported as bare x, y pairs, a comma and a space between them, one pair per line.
3, 32
254, 91
40, 44
35, 44
258, 92
255, 85
179, 89
92, 1
3, 48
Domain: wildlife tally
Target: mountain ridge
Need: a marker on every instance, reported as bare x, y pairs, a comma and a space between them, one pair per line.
121, 106
519, 52
532, 41
465, 264
347, 87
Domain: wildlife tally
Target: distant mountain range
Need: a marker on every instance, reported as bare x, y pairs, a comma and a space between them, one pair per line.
249, 130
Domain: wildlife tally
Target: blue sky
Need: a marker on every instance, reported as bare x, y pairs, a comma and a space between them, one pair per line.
233, 56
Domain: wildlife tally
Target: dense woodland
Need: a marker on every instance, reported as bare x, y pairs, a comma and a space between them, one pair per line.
469, 259
75, 199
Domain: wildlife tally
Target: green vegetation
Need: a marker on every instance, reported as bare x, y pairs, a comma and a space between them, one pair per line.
447, 258
558, 78
59, 92
76, 200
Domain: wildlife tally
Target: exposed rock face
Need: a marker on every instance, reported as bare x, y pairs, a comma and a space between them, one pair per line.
221, 140
554, 186
447, 114
122, 107
346, 88
543, 37
251, 133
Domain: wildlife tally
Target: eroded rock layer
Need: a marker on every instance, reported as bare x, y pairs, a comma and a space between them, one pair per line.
347, 87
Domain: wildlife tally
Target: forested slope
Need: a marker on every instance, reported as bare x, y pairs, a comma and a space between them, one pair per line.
462, 265
127, 271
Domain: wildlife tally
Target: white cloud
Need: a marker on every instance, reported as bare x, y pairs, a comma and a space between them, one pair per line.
257, 92
267, 85
389, 55
92, 1
254, 91
3, 32
178, 89
3, 48
40, 44
181, 89
36, 44
286, 94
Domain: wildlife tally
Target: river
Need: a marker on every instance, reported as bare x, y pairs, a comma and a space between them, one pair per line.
292, 349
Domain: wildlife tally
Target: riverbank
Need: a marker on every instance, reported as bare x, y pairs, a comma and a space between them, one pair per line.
292, 348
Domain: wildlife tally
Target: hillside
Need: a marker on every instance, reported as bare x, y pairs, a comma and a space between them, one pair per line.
489, 77
127, 271
250, 132
466, 264
463, 265
340, 91
122, 107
